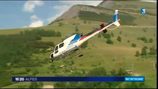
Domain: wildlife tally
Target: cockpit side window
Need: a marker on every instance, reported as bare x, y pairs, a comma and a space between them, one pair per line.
56, 51
56, 48
61, 45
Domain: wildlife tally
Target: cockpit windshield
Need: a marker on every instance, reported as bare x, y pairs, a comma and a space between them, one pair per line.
56, 47
61, 45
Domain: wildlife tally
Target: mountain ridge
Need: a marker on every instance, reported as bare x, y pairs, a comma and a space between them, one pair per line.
108, 7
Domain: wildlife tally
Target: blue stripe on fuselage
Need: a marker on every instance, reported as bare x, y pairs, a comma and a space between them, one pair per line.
115, 17
75, 39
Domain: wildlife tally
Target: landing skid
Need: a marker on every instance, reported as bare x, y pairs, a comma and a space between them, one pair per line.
67, 54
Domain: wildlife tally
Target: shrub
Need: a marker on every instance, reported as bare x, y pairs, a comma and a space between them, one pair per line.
150, 40
128, 41
137, 54
152, 51
133, 45
144, 51
122, 72
119, 39
109, 41
144, 39
107, 36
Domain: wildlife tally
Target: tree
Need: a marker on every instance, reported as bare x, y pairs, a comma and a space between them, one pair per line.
137, 54
143, 39
122, 72
119, 39
150, 40
144, 51
152, 51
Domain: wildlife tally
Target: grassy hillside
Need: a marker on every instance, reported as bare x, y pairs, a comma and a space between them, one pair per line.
132, 46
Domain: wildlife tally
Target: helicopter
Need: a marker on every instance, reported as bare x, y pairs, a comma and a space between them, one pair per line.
75, 41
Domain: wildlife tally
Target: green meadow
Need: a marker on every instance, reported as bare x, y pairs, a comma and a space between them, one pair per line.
131, 47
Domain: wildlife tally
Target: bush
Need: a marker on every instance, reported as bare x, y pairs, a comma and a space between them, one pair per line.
109, 41
122, 72
128, 41
119, 39
108, 36
18, 50
137, 54
133, 45
150, 40
144, 39
152, 51
144, 51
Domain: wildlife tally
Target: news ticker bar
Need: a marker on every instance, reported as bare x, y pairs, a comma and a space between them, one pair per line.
79, 79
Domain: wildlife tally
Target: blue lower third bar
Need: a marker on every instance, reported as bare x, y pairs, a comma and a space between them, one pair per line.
69, 79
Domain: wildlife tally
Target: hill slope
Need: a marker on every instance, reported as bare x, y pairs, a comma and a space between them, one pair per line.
129, 12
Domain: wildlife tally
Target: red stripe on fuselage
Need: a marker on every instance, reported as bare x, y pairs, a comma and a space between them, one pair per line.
83, 37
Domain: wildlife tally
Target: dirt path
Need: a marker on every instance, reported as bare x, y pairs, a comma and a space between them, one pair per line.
48, 86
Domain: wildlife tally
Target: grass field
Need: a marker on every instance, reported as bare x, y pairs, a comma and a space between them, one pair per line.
98, 54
